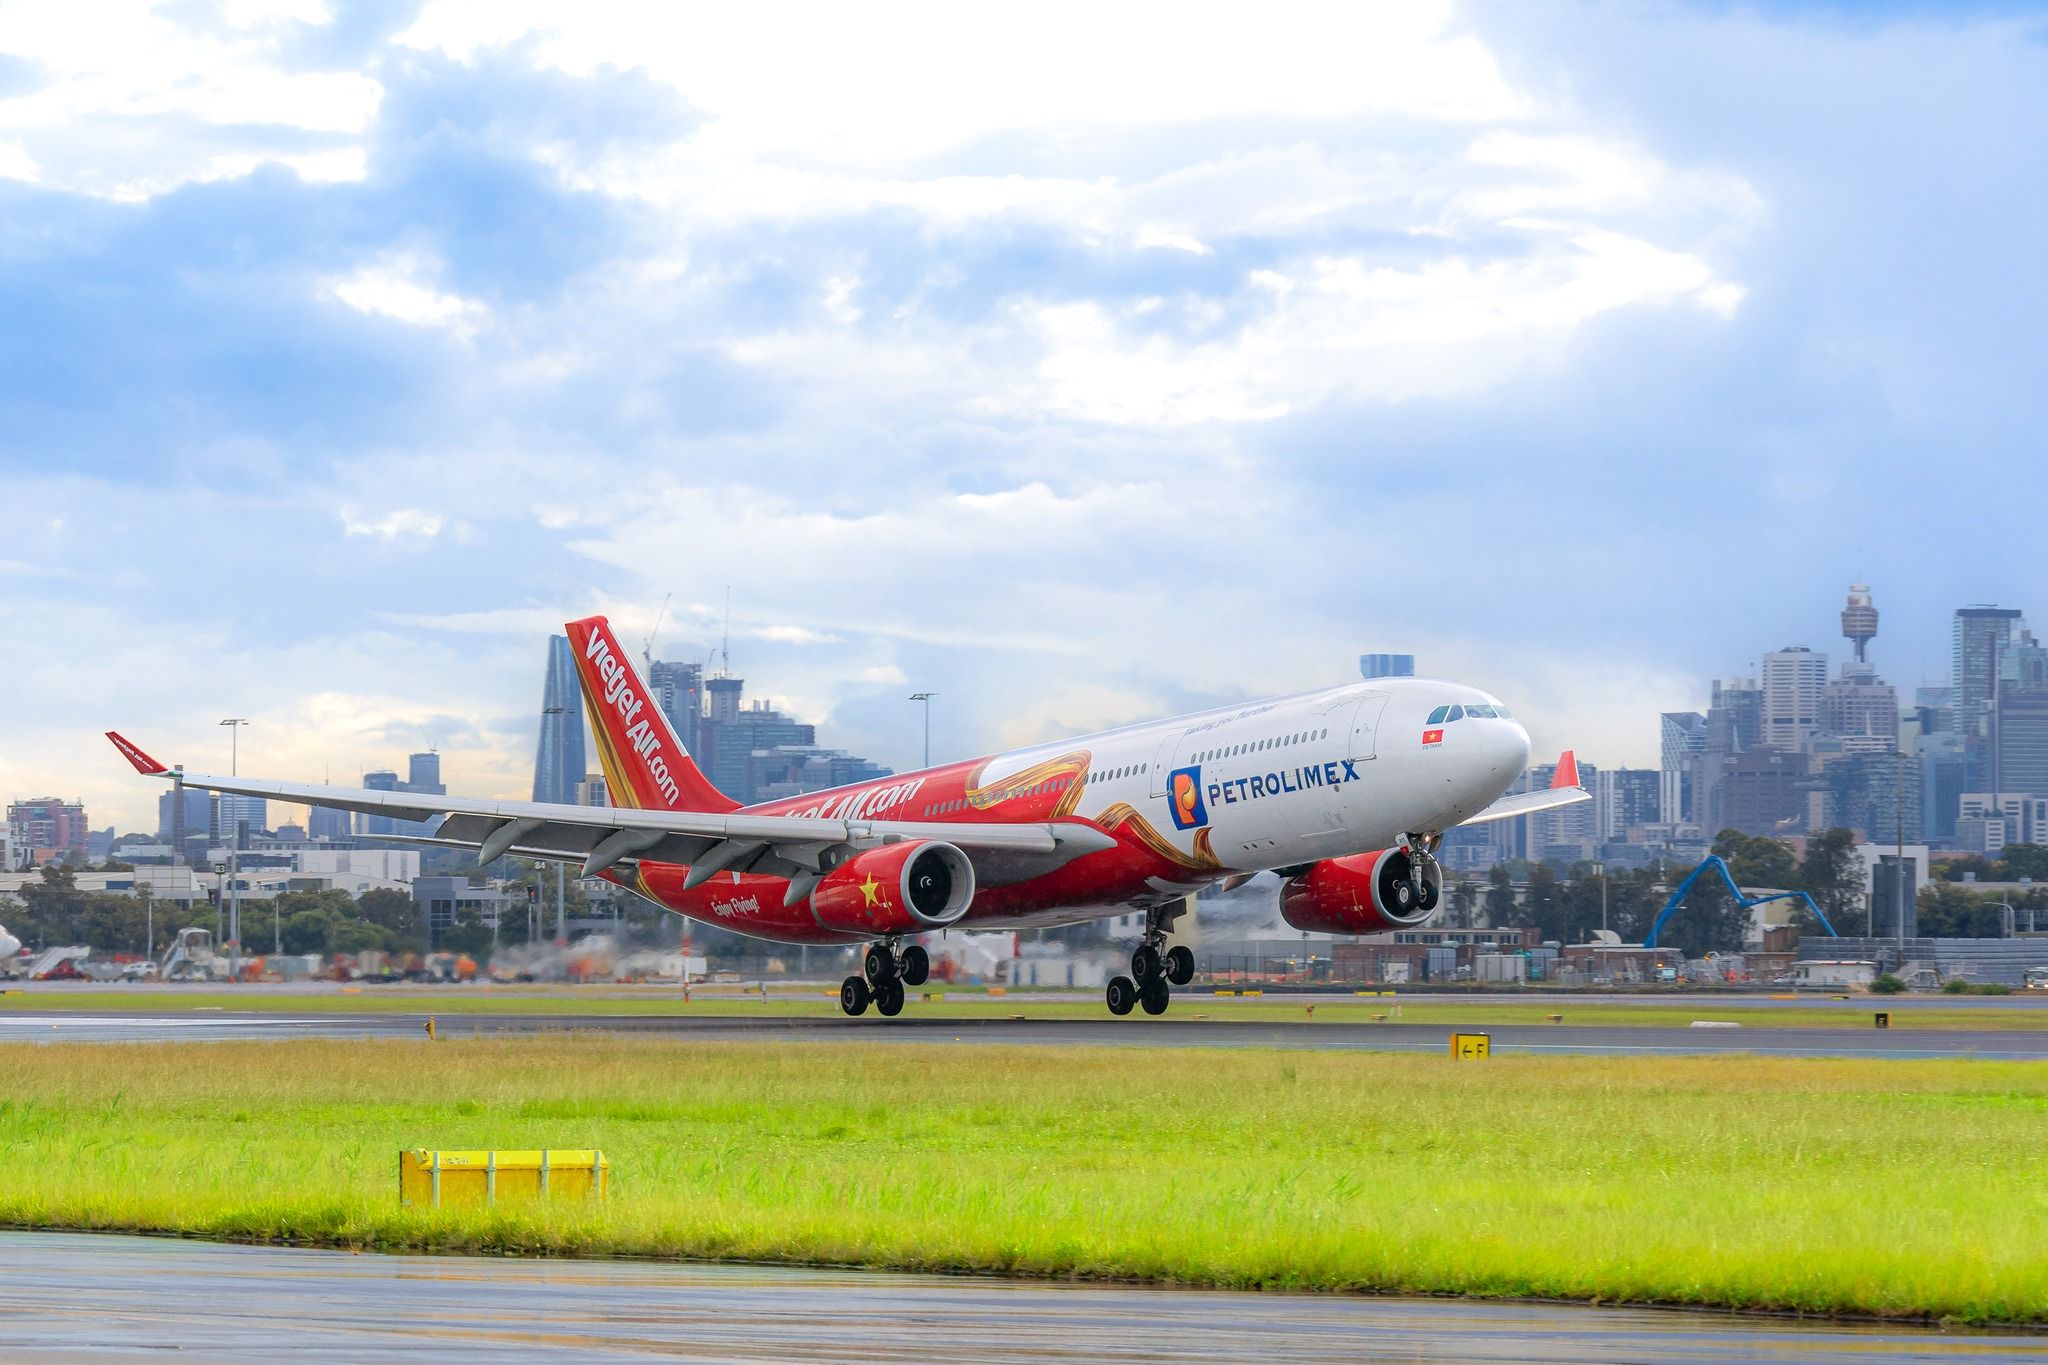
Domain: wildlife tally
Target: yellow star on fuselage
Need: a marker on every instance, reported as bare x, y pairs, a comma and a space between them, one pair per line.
871, 889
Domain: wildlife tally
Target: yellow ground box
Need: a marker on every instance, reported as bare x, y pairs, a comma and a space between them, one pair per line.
433, 1179
1468, 1047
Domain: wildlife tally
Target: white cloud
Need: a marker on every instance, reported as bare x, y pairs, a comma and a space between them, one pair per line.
16, 163
395, 288
131, 102
406, 523
863, 85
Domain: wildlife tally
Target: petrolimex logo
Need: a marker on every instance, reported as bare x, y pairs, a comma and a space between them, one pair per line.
1184, 796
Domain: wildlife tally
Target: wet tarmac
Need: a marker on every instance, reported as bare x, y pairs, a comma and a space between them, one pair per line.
1179, 1029
75, 1297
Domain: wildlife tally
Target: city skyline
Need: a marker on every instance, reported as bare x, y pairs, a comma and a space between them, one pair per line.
1554, 349
1821, 670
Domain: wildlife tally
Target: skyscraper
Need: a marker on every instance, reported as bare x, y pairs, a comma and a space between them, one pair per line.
558, 763
423, 774
1386, 665
1792, 681
323, 822
370, 826
1982, 637
2019, 720
237, 817
1683, 734
678, 690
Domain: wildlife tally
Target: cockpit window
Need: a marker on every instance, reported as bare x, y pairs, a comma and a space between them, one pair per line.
1503, 713
1457, 713
1483, 712
1436, 717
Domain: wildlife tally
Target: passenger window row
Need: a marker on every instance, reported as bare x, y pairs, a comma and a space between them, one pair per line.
988, 798
1259, 745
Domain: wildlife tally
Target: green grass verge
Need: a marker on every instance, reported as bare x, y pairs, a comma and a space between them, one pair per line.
1892, 1188
807, 1001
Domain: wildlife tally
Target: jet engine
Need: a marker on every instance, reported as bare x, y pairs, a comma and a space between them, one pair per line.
1361, 894
906, 888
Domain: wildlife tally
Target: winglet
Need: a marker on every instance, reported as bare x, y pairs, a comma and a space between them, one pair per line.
144, 764
1567, 771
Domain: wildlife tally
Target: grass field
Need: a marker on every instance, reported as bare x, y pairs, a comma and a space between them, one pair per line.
1897, 1188
2029, 1013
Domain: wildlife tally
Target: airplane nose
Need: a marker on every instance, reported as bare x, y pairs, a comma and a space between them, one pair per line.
1514, 748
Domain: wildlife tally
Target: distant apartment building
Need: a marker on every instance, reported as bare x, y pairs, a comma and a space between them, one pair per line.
50, 824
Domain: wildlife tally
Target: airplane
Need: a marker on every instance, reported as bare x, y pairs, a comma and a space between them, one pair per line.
9, 944
1344, 792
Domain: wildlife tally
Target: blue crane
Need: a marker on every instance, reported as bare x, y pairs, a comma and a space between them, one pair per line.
1713, 861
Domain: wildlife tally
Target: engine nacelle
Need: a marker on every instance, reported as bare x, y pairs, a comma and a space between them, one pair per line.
1362, 894
906, 888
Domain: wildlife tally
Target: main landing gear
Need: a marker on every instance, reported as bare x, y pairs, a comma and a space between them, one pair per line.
1154, 967
887, 968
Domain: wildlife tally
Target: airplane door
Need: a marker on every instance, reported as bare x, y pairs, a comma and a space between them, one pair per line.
1172, 754
1363, 720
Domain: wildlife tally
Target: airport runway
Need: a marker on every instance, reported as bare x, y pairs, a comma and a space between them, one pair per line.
1174, 1030
69, 1297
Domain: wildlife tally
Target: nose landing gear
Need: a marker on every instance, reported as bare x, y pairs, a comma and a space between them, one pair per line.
887, 967
1154, 967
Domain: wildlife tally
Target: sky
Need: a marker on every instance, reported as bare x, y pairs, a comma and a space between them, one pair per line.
1078, 363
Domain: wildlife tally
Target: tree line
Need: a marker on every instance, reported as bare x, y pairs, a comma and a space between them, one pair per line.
1565, 905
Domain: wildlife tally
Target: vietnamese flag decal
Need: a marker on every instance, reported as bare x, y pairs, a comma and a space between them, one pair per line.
1430, 737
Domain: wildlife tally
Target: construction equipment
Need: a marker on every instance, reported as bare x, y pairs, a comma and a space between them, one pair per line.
1713, 860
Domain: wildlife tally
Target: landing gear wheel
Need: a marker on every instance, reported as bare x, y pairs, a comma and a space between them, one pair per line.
853, 996
1403, 896
1153, 995
889, 1000
1122, 995
1426, 899
1180, 965
917, 966
879, 965
1145, 963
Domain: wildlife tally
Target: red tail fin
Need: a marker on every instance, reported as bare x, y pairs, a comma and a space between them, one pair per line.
1567, 771
645, 765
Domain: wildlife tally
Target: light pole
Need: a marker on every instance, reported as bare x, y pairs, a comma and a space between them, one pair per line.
926, 698
2011, 919
234, 724
1600, 871
561, 903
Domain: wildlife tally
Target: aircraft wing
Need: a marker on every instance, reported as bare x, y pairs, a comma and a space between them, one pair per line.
599, 837
1564, 790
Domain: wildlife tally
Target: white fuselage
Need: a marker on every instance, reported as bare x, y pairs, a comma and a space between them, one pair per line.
1292, 779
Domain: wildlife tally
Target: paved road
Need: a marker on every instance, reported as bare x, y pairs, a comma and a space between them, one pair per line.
67, 1297
1174, 1030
